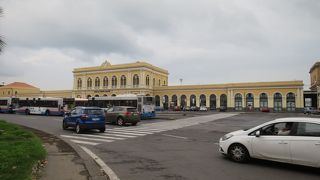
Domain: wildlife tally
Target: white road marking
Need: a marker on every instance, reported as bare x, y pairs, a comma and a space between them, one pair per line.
180, 137
84, 142
103, 165
99, 136
126, 133
118, 135
84, 138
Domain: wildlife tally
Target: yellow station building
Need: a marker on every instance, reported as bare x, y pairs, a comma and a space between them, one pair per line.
144, 78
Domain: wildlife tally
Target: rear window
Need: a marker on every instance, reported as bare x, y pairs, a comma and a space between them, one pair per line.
131, 110
93, 111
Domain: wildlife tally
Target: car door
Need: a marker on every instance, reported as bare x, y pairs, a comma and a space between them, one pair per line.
270, 145
75, 114
110, 115
305, 146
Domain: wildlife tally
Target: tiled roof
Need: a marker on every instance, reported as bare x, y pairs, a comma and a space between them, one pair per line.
19, 85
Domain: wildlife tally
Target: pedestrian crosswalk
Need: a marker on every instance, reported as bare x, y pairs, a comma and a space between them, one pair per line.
122, 133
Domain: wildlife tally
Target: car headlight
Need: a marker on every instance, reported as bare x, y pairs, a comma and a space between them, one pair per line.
226, 137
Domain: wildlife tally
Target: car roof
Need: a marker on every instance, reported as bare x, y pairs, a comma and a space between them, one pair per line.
297, 119
83, 107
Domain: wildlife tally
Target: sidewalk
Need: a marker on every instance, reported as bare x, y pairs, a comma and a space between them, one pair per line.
63, 162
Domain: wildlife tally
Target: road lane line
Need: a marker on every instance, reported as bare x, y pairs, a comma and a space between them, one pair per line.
125, 133
180, 137
84, 138
104, 166
99, 136
84, 142
118, 135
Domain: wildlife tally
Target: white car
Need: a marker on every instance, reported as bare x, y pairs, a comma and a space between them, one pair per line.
289, 140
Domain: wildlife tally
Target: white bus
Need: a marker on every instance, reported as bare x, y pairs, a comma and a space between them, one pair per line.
144, 104
8, 104
70, 103
42, 106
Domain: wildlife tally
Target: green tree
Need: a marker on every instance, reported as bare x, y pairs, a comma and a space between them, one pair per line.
2, 43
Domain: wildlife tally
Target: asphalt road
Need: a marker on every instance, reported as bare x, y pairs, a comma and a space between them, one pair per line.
174, 149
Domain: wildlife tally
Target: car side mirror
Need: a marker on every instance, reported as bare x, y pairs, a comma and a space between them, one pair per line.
258, 133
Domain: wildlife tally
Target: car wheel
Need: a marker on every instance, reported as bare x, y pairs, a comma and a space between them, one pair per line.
238, 153
27, 112
64, 125
78, 129
120, 121
102, 130
134, 124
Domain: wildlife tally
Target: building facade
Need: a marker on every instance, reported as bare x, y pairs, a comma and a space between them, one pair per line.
144, 78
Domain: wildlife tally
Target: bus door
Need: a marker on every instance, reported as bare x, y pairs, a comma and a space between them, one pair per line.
140, 104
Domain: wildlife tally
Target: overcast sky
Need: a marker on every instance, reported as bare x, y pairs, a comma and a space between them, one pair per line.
200, 41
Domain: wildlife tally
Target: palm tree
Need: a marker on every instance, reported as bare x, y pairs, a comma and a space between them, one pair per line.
2, 43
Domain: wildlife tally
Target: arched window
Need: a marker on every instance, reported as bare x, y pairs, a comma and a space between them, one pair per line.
193, 100
123, 81
88, 96
154, 82
147, 94
165, 101
105, 82
249, 101
113, 95
105, 95
223, 102
157, 99
277, 99
97, 95
238, 102
164, 82
263, 101
213, 102
174, 100
79, 84
291, 102
147, 80
203, 101
97, 83
159, 84
89, 83
135, 80
78, 96
183, 101
114, 82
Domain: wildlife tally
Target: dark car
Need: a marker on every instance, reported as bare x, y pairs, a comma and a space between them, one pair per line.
83, 118
310, 110
121, 115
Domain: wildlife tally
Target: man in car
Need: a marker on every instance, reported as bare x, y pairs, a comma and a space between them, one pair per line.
286, 130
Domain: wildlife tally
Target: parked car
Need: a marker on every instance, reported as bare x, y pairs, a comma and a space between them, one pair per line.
264, 109
194, 108
203, 108
223, 109
310, 110
289, 140
83, 118
122, 115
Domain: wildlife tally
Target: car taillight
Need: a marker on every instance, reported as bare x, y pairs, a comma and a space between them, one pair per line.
127, 113
84, 117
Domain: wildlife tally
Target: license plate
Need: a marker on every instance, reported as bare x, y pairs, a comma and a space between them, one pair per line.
95, 119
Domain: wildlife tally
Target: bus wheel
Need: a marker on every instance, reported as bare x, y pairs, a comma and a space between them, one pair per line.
120, 121
64, 125
27, 112
47, 113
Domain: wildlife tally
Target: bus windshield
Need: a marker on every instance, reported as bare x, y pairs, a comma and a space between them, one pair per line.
148, 100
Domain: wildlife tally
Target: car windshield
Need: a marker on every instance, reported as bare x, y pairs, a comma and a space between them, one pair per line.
93, 111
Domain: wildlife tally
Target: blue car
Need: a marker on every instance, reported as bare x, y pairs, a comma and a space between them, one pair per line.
83, 118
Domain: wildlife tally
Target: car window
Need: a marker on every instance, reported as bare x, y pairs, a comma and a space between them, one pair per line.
73, 111
277, 129
131, 109
93, 111
308, 129
78, 111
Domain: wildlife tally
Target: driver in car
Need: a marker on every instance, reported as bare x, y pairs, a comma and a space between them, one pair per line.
286, 130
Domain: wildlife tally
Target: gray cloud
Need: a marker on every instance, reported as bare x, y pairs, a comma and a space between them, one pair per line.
206, 41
